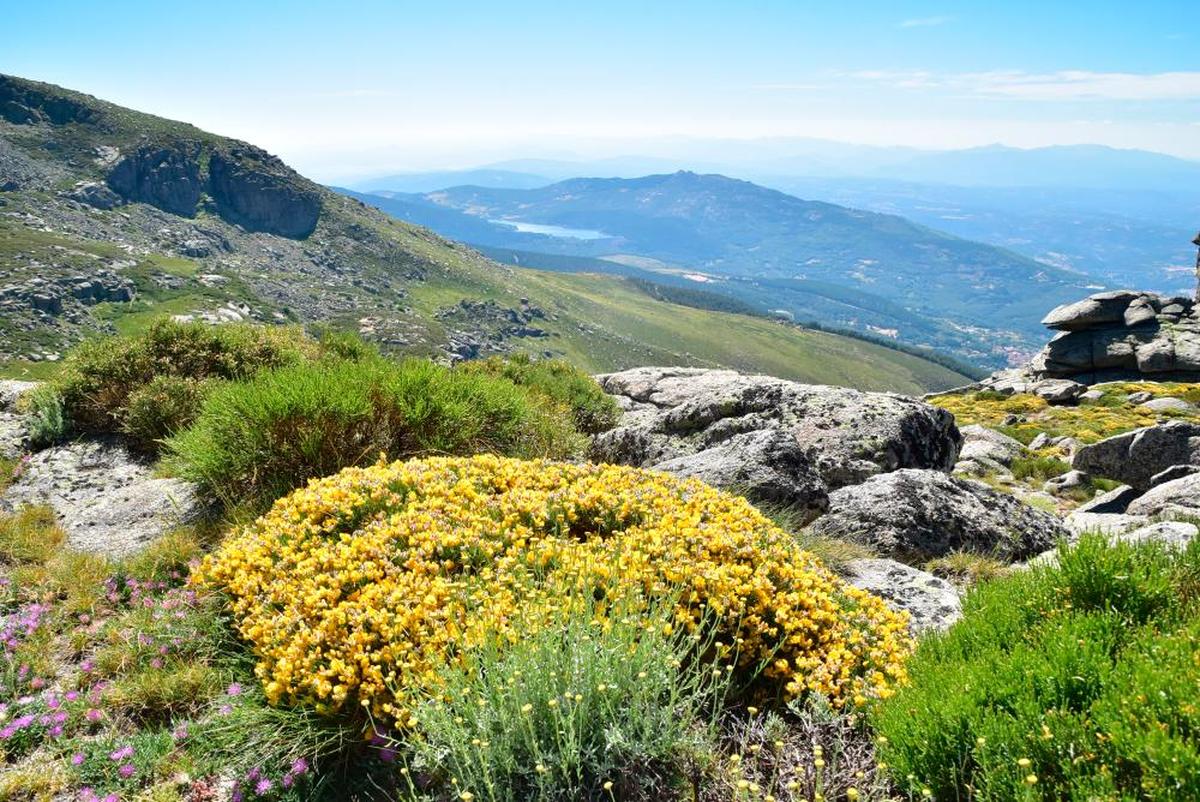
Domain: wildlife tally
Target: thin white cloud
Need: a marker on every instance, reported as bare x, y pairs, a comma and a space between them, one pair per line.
1061, 85
925, 22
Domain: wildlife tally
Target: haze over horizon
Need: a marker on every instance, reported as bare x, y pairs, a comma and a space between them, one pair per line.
404, 86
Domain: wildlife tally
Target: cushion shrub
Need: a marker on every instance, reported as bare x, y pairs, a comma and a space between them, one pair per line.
357, 590
594, 411
255, 440
104, 379
1070, 682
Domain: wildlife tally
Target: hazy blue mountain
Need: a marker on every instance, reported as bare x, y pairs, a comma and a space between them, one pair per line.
810, 259
1127, 237
1059, 166
438, 179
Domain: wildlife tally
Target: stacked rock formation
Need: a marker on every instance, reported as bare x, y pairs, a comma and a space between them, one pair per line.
1122, 335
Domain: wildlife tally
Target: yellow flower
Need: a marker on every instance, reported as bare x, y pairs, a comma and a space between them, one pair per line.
356, 589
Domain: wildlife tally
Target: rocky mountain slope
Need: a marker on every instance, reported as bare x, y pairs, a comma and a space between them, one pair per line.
110, 217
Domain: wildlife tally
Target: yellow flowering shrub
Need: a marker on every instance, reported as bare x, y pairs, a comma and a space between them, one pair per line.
356, 589
1086, 422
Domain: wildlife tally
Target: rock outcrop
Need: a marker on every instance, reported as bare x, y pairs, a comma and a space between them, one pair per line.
932, 603
247, 186
982, 443
66, 293
259, 192
769, 465
1173, 534
675, 416
1136, 457
1177, 497
13, 428
164, 176
24, 103
916, 515
1122, 335
106, 500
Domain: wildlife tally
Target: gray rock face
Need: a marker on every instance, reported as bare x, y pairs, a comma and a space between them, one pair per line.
676, 413
1167, 405
1058, 391
1106, 523
165, 177
1174, 472
1122, 335
1115, 500
916, 515
258, 192
23, 104
93, 193
932, 603
13, 429
11, 391
1136, 457
67, 293
248, 186
1105, 307
767, 465
980, 442
1178, 497
1174, 534
106, 500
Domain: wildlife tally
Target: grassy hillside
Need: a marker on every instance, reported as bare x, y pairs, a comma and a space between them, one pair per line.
112, 218
651, 332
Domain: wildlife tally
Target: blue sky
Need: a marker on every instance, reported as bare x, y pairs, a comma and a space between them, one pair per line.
340, 88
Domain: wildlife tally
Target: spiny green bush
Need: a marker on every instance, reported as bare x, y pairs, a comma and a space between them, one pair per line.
559, 381
148, 385
578, 710
1073, 682
47, 419
256, 440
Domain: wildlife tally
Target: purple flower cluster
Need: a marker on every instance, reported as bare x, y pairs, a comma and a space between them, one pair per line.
19, 626
38, 718
258, 784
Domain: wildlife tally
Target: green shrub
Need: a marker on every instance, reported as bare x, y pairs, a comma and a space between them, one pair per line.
1076, 682
255, 440
1039, 467
345, 344
155, 411
47, 419
559, 381
111, 384
566, 710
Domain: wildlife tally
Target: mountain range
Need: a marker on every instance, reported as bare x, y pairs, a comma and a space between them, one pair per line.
110, 217
808, 260
1124, 217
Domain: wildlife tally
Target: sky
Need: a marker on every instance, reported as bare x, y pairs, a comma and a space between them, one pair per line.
354, 88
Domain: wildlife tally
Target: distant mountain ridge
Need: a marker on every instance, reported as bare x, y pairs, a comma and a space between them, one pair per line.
769, 248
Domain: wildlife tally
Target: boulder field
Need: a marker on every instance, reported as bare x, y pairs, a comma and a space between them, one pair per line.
888, 472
